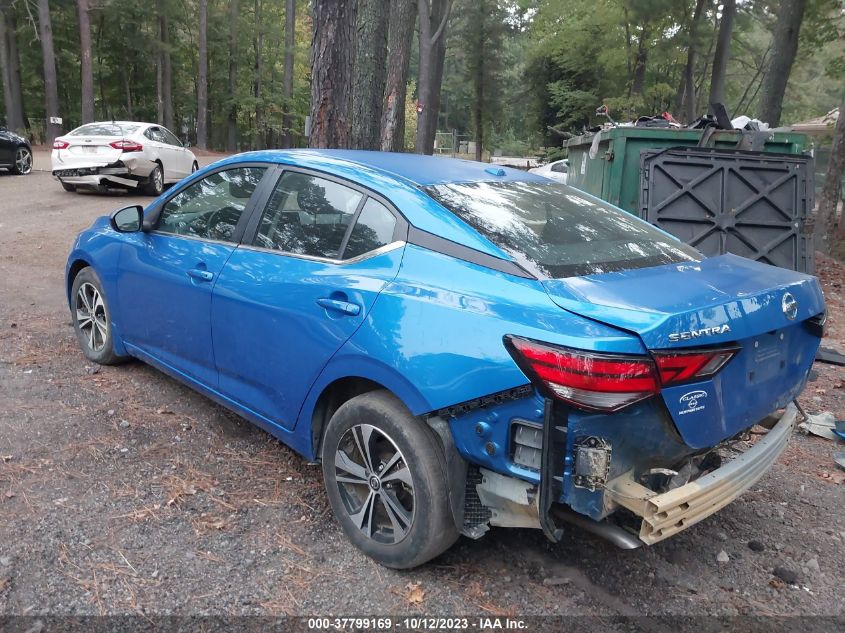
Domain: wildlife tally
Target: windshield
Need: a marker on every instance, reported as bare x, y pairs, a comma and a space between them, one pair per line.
104, 129
557, 231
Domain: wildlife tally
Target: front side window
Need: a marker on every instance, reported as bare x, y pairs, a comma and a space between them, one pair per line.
169, 137
211, 208
557, 231
307, 215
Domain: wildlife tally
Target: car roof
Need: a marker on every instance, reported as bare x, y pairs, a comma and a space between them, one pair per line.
416, 169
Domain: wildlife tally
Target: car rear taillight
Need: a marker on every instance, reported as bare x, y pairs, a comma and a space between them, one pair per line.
609, 382
588, 380
679, 366
60, 144
127, 146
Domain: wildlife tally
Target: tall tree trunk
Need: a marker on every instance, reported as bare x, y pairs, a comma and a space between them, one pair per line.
11, 69
232, 118
827, 224
86, 63
259, 139
433, 16
287, 86
689, 99
166, 66
331, 73
368, 75
723, 53
51, 92
640, 61
202, 77
784, 49
478, 106
403, 16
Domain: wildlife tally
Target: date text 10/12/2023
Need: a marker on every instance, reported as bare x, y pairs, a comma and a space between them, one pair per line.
417, 623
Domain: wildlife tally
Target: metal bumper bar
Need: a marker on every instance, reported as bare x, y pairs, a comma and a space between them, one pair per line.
670, 512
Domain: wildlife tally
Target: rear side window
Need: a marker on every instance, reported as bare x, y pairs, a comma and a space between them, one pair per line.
211, 208
307, 215
104, 129
373, 229
556, 231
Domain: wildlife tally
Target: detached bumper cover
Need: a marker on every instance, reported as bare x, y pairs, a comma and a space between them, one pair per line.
670, 512
112, 169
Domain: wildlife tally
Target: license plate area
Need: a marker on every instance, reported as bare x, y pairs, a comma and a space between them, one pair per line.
89, 150
766, 358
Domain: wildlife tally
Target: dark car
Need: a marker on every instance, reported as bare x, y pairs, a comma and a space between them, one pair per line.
15, 153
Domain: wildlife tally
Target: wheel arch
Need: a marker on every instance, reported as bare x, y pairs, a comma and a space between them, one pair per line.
73, 268
341, 381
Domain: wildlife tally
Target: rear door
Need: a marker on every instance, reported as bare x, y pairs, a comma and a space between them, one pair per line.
167, 274
311, 267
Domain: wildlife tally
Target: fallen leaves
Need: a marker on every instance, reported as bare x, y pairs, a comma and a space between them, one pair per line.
834, 478
416, 594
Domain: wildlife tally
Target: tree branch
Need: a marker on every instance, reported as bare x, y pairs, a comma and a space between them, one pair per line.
442, 26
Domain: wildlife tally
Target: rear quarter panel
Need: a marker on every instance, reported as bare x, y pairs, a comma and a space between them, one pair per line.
434, 335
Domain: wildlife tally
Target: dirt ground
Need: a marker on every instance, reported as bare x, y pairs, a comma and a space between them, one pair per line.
124, 492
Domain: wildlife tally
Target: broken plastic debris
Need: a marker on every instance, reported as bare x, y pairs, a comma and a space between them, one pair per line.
839, 458
821, 424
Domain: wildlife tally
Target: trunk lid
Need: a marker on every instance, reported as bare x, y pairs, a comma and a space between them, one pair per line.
88, 151
720, 300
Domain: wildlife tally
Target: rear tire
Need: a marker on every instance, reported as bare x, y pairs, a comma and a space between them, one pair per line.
69, 188
385, 476
92, 319
155, 183
23, 161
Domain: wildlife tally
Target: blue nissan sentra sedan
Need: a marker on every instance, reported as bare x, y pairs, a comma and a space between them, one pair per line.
460, 345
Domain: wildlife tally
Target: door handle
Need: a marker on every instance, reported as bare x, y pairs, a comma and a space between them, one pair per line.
201, 275
344, 307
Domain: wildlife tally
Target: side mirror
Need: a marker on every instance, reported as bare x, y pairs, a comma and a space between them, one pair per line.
128, 219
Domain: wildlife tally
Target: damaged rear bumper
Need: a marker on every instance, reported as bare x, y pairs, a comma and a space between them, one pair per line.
125, 173
667, 513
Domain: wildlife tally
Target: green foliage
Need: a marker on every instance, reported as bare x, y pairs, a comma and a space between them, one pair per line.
125, 48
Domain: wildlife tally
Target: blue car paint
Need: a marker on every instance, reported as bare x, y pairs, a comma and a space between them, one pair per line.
163, 311
431, 326
261, 293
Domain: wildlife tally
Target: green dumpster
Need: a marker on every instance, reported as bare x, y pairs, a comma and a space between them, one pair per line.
614, 174
721, 191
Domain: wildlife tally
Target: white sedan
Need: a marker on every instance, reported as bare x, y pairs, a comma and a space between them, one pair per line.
557, 170
121, 154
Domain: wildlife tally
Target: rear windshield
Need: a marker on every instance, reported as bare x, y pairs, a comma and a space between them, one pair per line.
104, 129
556, 231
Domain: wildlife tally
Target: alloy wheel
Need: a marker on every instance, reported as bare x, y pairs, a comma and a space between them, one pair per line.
23, 160
375, 484
91, 316
158, 179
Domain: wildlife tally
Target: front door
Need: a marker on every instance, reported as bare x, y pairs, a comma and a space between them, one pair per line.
288, 298
167, 274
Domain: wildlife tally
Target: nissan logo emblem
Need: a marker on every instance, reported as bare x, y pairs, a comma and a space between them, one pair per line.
789, 306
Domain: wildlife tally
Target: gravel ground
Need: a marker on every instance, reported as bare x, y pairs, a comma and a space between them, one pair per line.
123, 492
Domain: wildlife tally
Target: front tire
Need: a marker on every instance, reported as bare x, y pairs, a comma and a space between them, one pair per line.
385, 475
195, 167
155, 183
23, 161
92, 319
